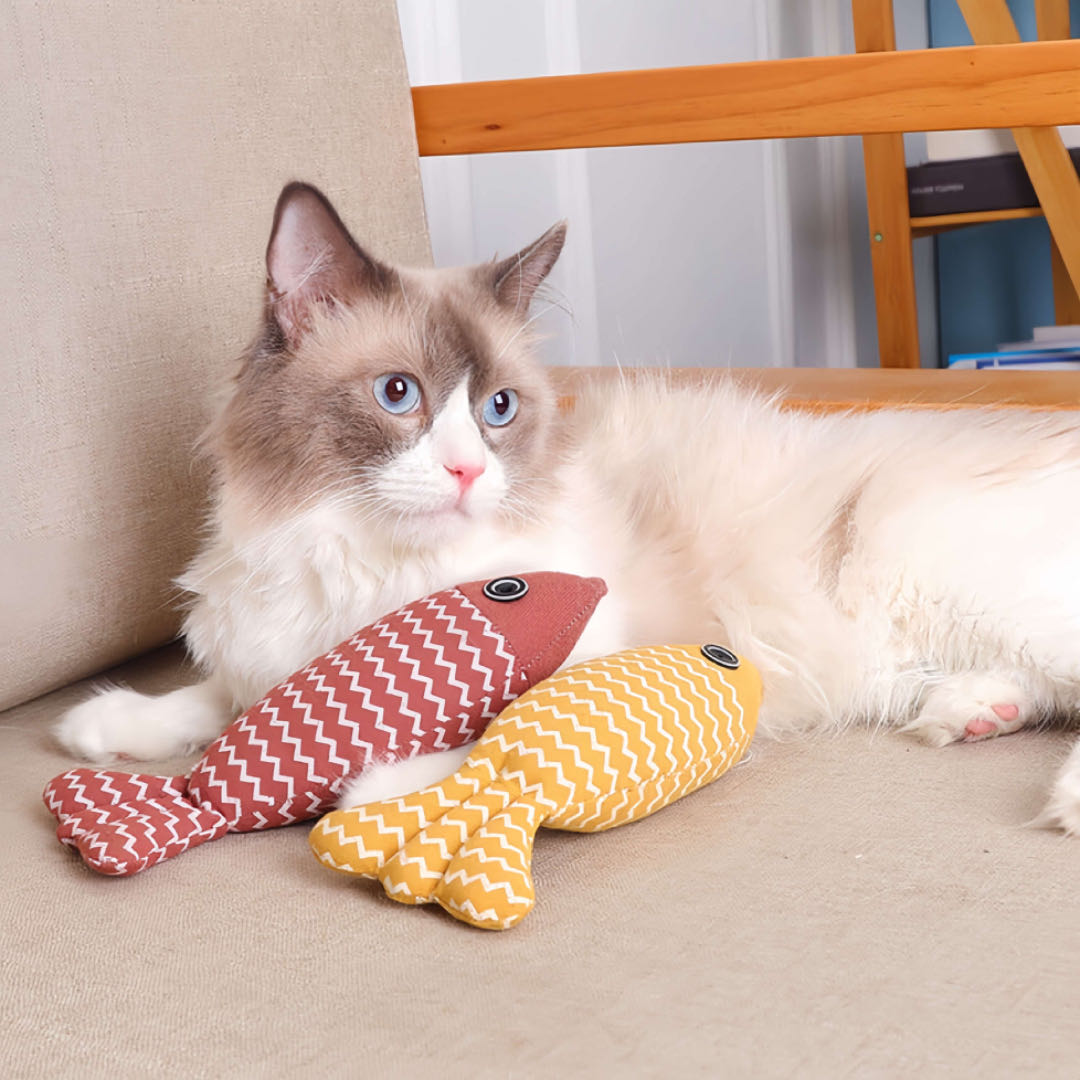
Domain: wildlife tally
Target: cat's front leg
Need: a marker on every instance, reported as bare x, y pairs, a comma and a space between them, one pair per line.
971, 706
121, 723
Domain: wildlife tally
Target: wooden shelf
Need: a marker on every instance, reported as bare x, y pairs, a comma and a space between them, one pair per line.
937, 223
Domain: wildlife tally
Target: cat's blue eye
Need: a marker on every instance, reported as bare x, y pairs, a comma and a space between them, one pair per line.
501, 408
397, 394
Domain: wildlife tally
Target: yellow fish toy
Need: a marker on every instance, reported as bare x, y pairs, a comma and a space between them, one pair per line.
599, 744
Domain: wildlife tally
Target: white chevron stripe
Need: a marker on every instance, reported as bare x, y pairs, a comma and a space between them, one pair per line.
722, 697
403, 858
352, 840
525, 724
437, 655
478, 915
410, 657
297, 746
467, 879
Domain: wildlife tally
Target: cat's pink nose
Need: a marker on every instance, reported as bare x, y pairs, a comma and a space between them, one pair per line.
464, 474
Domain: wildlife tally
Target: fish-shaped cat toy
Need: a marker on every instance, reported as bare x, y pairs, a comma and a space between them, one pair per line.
429, 676
599, 744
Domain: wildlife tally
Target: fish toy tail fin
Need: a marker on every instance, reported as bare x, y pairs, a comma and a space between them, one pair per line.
121, 823
360, 840
488, 882
465, 844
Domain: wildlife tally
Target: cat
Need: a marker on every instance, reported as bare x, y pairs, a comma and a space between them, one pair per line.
390, 433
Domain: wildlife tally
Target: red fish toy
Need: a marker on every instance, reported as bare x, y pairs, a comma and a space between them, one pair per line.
429, 676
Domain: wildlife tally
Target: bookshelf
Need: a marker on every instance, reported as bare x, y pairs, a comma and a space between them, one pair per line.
877, 93
936, 223
891, 226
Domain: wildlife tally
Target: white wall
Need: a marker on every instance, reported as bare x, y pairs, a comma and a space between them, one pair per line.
740, 254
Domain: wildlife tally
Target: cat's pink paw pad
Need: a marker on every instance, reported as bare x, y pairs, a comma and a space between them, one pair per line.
971, 707
980, 727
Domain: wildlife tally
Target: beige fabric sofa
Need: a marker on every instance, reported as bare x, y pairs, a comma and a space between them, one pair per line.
857, 906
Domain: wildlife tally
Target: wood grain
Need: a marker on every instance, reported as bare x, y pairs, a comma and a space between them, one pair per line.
1052, 22
890, 251
1066, 301
834, 390
889, 223
936, 223
1052, 19
1031, 84
1045, 158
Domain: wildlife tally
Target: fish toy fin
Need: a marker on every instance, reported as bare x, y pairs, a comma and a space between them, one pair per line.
465, 844
121, 823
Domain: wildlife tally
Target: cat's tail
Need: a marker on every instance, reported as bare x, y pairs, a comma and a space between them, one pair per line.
465, 844
121, 823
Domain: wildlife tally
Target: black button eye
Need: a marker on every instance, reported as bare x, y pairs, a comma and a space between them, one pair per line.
720, 656
506, 588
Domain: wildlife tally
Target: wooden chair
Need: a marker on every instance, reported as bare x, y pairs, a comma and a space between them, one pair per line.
877, 93
892, 228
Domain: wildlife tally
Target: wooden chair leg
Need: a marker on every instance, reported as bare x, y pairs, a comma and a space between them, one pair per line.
1052, 21
1066, 300
1044, 155
887, 210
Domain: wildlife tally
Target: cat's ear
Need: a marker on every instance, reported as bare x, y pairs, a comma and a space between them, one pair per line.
312, 260
516, 279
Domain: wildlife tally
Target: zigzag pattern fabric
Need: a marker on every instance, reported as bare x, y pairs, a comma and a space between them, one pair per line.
600, 744
428, 677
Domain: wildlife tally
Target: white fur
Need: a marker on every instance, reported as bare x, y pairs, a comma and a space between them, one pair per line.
1063, 809
419, 487
119, 721
908, 568
389, 780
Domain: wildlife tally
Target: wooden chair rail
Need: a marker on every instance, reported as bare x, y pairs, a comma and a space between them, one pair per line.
1019, 85
825, 390
874, 92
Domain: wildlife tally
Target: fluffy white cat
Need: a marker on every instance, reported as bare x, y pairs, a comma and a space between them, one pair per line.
390, 434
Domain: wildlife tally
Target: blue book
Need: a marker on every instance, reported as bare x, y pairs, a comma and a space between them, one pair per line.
1052, 359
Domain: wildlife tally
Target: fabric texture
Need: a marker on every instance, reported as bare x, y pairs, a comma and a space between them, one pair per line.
603, 743
142, 148
854, 906
427, 677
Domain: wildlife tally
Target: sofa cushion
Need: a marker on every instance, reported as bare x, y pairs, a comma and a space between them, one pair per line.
853, 906
143, 147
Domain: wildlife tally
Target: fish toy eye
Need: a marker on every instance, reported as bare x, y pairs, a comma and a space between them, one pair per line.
501, 408
396, 393
504, 589
720, 656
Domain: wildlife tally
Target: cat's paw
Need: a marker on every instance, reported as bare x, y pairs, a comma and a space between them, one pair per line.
121, 723
969, 708
1063, 808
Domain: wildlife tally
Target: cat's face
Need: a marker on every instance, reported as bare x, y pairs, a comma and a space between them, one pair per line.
407, 397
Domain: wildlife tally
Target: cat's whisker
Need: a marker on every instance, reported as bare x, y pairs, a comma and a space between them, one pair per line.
562, 303
502, 348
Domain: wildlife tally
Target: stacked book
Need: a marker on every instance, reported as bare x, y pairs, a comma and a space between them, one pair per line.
971, 171
1051, 348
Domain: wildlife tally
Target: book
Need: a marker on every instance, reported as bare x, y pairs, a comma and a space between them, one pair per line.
1033, 360
983, 142
1053, 338
1056, 335
967, 185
